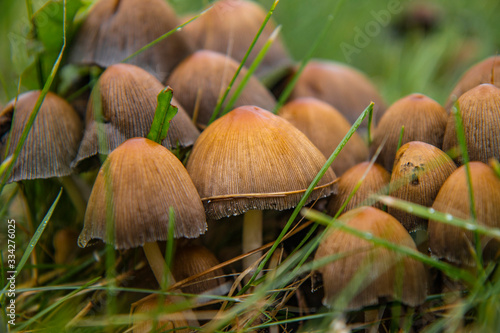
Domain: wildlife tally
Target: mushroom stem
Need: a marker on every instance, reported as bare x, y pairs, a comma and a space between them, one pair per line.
157, 263
252, 236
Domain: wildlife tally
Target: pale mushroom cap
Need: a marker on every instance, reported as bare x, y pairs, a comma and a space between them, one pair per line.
52, 142
252, 159
423, 118
115, 29
380, 277
165, 322
453, 243
128, 99
480, 112
325, 126
145, 179
205, 75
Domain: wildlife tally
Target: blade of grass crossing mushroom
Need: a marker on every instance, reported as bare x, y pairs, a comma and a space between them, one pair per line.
242, 63
465, 158
288, 89
38, 104
164, 114
308, 192
370, 119
34, 240
493, 164
251, 70
448, 269
400, 141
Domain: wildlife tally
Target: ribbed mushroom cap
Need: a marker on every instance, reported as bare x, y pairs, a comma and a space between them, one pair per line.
480, 112
128, 99
423, 118
341, 86
52, 142
377, 266
419, 172
325, 126
191, 260
486, 71
452, 243
251, 159
145, 179
230, 26
165, 322
115, 29
205, 75
375, 181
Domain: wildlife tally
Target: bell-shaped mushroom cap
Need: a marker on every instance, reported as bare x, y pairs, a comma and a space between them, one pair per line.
205, 75
419, 172
250, 159
326, 127
383, 271
375, 181
230, 26
480, 111
52, 142
165, 322
193, 259
115, 29
128, 100
455, 244
423, 118
341, 86
142, 179
486, 71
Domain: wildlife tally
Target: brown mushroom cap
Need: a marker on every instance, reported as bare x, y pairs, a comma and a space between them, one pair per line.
128, 98
52, 142
230, 26
325, 126
210, 73
341, 86
376, 179
419, 172
115, 29
486, 71
251, 159
480, 112
165, 322
423, 118
380, 266
452, 243
145, 180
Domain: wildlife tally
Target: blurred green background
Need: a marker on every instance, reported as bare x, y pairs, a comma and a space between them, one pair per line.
399, 57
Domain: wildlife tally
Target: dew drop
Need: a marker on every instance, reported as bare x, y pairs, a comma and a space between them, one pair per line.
431, 210
410, 209
208, 201
449, 217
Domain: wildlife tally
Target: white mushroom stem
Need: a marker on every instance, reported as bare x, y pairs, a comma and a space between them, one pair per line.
252, 236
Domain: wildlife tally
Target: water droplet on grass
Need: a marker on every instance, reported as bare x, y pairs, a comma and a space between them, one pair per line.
449, 217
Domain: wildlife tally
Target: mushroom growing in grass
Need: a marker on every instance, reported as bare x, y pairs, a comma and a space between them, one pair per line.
325, 127
455, 244
142, 180
423, 120
250, 160
365, 273
126, 98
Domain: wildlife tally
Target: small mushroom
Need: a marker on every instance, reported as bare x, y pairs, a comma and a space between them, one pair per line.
480, 113
376, 180
142, 179
126, 96
115, 29
204, 77
159, 321
455, 244
423, 118
52, 142
420, 170
380, 270
325, 126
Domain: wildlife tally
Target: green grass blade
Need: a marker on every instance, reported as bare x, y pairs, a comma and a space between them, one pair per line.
493, 163
251, 70
400, 141
288, 89
38, 104
164, 114
308, 192
448, 269
34, 240
242, 63
370, 120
